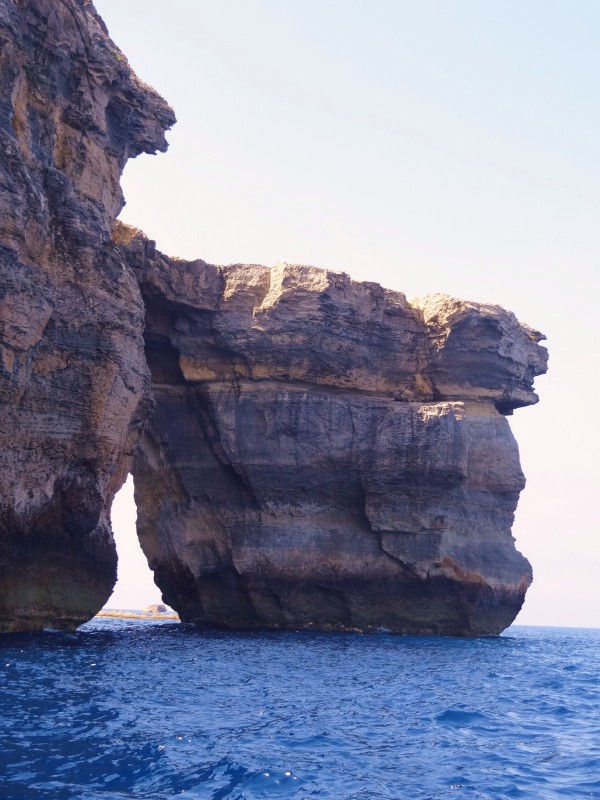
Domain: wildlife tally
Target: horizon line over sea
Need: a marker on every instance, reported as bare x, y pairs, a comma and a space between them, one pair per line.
158, 617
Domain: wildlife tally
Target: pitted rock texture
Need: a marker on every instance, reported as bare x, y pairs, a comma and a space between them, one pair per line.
324, 454
73, 378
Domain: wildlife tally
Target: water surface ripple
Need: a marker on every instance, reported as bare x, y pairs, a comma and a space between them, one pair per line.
130, 709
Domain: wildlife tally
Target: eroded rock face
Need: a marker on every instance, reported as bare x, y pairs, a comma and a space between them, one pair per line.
73, 378
324, 454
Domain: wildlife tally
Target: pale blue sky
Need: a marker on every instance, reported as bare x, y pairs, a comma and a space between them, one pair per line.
430, 146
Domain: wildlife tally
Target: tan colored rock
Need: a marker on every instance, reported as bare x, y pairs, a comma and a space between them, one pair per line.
481, 352
73, 378
323, 454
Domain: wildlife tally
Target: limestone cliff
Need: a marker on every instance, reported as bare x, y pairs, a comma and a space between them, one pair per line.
325, 454
73, 378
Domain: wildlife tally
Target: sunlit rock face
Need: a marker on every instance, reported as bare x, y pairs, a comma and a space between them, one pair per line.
73, 378
324, 454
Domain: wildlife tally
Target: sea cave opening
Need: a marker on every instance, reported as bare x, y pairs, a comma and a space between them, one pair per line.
135, 589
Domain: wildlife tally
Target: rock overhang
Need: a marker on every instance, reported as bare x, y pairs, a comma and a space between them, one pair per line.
333, 439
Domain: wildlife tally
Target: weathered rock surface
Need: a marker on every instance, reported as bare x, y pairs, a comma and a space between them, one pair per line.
325, 454
73, 378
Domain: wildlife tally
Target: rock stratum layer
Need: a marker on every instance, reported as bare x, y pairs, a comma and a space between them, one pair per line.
73, 377
321, 454
324, 454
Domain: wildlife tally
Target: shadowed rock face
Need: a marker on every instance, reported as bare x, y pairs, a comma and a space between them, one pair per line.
324, 454
73, 378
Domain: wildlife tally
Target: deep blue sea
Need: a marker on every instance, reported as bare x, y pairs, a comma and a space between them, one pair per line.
132, 709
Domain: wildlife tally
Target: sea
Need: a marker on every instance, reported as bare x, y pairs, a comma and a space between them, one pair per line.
161, 710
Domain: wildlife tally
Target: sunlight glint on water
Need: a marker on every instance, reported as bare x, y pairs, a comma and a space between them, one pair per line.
127, 709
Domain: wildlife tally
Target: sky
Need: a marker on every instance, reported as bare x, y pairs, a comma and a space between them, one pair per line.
429, 146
